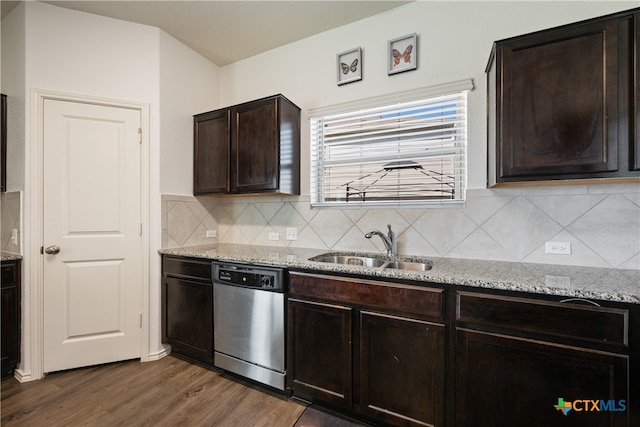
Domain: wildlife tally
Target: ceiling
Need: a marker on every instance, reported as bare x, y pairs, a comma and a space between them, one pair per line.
228, 31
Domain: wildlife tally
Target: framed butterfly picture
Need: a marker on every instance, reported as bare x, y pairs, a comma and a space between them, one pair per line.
349, 65
403, 54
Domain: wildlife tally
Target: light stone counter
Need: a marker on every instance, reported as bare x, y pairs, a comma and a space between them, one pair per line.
571, 281
9, 256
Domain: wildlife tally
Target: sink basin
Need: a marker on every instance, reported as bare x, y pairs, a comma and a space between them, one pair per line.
362, 261
408, 263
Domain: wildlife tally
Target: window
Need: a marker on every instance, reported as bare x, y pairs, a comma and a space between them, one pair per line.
402, 150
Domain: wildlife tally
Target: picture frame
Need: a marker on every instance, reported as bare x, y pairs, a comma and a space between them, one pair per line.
402, 54
349, 66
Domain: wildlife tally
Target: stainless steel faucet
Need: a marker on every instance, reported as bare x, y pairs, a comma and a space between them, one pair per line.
389, 240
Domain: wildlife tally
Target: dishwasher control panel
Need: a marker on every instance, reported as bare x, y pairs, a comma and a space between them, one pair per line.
250, 276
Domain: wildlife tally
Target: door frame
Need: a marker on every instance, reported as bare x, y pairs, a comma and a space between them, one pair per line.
35, 235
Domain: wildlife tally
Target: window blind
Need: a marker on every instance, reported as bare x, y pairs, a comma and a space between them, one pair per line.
394, 154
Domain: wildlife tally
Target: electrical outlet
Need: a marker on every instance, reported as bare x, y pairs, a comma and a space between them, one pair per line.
274, 236
562, 248
211, 233
292, 233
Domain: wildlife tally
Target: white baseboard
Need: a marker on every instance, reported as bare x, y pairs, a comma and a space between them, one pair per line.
158, 355
22, 376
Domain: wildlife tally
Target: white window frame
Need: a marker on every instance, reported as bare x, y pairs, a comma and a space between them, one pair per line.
325, 166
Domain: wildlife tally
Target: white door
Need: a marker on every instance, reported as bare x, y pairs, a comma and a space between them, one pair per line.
92, 213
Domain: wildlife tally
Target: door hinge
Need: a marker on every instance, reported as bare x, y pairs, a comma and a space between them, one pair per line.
140, 320
140, 133
141, 229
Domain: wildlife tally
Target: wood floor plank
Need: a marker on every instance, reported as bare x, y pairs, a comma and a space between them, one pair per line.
168, 392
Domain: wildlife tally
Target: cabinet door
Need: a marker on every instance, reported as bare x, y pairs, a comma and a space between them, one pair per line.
10, 329
255, 151
558, 108
188, 318
10, 316
319, 352
211, 152
402, 369
508, 381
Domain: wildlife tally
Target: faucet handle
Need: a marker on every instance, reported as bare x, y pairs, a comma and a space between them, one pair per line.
392, 241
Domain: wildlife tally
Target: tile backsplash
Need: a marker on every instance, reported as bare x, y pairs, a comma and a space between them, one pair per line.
10, 220
601, 222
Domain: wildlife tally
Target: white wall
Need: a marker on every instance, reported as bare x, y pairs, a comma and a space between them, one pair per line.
92, 56
188, 86
12, 84
455, 40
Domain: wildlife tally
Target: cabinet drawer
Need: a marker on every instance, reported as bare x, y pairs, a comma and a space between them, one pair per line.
599, 324
9, 274
187, 268
392, 296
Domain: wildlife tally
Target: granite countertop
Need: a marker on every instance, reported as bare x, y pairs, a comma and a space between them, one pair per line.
9, 256
608, 284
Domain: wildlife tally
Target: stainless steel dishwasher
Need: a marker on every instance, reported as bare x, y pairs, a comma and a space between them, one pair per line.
249, 321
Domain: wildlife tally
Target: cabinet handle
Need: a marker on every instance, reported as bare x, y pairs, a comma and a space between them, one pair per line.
580, 300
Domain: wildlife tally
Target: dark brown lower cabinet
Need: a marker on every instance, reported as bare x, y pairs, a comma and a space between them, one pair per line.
320, 337
402, 369
187, 308
384, 352
10, 316
534, 362
386, 366
508, 381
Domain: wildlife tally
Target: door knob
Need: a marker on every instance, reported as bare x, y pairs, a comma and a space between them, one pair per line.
52, 250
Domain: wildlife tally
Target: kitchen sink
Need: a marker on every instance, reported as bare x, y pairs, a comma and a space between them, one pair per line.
381, 262
409, 265
363, 261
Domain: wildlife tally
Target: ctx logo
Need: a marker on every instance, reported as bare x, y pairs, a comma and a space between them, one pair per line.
590, 405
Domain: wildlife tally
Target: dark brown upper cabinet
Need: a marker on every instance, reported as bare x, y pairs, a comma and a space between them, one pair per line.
3, 142
248, 148
562, 103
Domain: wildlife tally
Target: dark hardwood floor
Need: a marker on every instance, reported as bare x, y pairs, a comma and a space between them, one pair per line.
168, 392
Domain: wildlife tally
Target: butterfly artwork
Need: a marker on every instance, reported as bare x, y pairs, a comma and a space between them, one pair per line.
349, 66
346, 68
397, 56
403, 54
